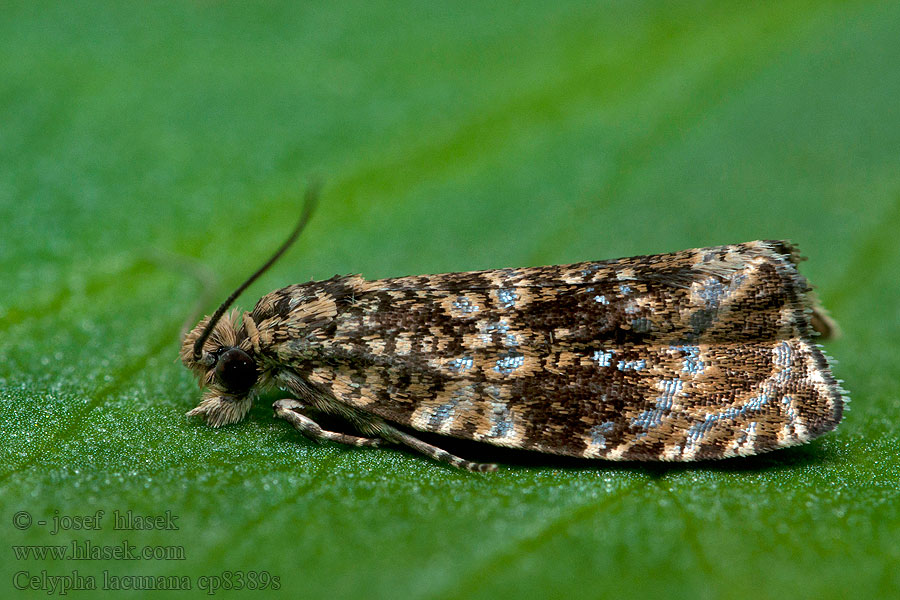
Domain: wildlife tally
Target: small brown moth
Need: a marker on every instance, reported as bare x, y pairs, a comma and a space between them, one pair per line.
698, 354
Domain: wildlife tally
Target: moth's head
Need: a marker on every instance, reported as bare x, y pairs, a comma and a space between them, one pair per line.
224, 364
222, 356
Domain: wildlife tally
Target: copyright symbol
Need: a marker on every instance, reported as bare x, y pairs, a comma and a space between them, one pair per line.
22, 520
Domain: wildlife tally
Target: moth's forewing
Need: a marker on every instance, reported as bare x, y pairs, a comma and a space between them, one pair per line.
702, 353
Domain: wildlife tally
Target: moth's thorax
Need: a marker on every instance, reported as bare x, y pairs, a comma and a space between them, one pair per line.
307, 305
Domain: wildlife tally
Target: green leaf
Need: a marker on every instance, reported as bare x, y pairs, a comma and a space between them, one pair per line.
145, 144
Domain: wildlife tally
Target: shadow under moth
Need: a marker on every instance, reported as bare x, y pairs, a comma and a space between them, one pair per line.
698, 354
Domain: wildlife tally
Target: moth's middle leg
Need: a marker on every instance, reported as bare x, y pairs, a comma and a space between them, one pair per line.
289, 410
395, 435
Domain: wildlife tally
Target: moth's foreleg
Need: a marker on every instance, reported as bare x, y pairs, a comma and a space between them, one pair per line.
395, 435
289, 410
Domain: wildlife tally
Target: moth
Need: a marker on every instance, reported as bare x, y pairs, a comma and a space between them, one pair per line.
698, 354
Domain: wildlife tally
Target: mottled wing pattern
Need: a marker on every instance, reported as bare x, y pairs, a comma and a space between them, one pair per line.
703, 353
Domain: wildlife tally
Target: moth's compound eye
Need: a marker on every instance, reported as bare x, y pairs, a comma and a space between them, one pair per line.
236, 370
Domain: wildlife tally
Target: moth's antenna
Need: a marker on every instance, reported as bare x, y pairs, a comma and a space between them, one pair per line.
309, 205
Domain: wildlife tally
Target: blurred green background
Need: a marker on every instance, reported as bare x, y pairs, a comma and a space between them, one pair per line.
139, 140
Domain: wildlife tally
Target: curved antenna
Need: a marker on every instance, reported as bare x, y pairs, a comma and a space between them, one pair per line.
309, 205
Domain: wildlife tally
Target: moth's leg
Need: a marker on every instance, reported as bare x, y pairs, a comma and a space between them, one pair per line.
395, 435
823, 324
289, 410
